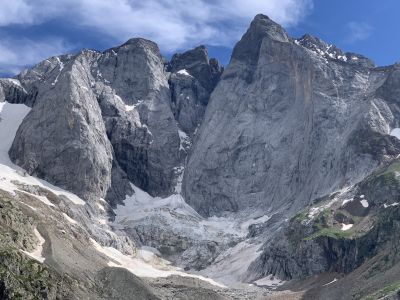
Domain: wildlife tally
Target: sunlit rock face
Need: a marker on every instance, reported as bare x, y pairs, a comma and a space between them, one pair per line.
290, 121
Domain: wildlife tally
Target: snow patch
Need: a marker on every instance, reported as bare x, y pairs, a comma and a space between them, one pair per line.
329, 283
347, 201
269, 281
395, 132
346, 226
390, 205
61, 67
364, 203
37, 253
129, 107
15, 82
69, 219
100, 206
184, 72
146, 264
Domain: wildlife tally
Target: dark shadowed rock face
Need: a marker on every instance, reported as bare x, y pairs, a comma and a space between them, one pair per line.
102, 120
134, 96
193, 78
98, 116
196, 62
280, 127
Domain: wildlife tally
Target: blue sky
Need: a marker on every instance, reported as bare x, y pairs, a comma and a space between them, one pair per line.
32, 30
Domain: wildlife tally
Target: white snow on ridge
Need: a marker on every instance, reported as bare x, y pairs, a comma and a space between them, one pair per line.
69, 219
129, 107
395, 132
16, 82
329, 283
346, 226
184, 72
37, 253
61, 66
347, 201
11, 116
390, 205
146, 264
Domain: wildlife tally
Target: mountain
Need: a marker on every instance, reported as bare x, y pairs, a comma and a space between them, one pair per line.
126, 176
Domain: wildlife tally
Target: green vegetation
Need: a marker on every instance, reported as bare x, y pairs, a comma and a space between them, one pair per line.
20, 276
386, 291
330, 232
302, 215
385, 176
323, 227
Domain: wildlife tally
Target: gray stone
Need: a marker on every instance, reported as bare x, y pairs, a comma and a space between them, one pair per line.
285, 125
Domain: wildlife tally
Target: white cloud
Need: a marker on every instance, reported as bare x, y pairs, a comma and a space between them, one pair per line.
173, 24
15, 12
15, 54
359, 31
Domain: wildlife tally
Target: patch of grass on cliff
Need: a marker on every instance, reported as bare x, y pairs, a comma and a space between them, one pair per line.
301, 216
386, 174
386, 291
323, 227
330, 232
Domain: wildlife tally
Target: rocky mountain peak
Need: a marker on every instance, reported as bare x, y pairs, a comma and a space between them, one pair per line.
263, 26
140, 43
331, 52
247, 50
197, 63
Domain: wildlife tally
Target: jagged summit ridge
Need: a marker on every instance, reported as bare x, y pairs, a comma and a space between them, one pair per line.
329, 51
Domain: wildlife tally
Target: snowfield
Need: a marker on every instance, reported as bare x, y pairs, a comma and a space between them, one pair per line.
146, 264
173, 214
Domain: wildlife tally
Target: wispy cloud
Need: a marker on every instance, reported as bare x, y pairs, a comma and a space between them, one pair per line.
358, 31
16, 54
173, 24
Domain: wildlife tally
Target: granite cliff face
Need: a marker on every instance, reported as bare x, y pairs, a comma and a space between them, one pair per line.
284, 164
290, 121
100, 120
